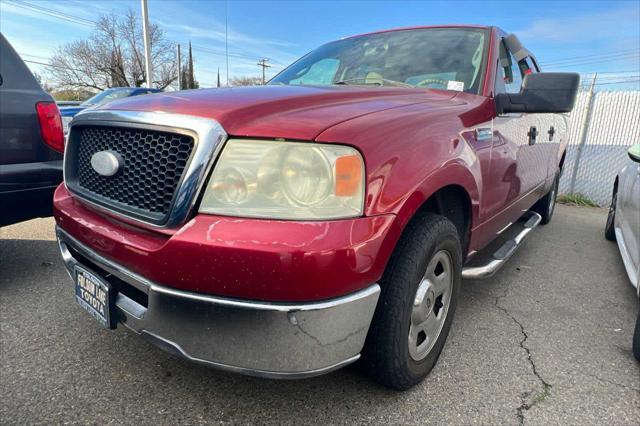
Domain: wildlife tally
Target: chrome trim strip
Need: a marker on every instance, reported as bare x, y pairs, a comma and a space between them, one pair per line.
269, 306
209, 138
484, 133
503, 254
505, 228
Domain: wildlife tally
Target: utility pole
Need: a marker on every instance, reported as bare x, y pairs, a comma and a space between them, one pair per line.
263, 63
226, 38
148, 67
584, 132
179, 69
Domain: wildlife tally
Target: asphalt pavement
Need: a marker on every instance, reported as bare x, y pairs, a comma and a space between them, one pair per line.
546, 341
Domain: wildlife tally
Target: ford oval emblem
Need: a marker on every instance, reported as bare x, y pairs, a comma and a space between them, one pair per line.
106, 163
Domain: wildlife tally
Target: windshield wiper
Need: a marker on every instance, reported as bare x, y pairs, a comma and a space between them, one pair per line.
378, 81
362, 80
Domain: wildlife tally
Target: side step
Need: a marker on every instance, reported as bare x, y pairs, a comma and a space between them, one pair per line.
480, 269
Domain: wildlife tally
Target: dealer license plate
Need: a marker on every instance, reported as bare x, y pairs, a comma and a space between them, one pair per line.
94, 295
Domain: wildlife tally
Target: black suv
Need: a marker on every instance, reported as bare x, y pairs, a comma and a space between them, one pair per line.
31, 142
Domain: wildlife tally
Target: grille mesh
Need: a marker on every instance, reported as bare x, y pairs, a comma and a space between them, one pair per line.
153, 165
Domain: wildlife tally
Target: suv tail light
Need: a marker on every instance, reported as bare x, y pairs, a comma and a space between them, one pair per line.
50, 125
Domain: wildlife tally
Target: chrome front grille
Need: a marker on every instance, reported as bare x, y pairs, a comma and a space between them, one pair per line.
153, 163
163, 160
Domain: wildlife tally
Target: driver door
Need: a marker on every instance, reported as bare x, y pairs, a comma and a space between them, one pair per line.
519, 159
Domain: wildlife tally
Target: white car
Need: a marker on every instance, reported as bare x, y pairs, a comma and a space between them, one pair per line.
623, 225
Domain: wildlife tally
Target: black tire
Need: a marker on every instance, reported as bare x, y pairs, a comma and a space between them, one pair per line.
386, 356
610, 228
636, 339
547, 204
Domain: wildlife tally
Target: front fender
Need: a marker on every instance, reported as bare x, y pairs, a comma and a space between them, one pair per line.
455, 173
458, 172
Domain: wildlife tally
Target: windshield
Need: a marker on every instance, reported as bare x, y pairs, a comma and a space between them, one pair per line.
441, 58
108, 95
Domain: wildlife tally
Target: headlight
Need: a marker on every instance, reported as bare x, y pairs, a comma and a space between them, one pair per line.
286, 180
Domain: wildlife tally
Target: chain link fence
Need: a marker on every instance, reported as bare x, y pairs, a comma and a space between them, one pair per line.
602, 126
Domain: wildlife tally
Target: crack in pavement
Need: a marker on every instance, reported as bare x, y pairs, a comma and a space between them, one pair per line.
525, 405
611, 382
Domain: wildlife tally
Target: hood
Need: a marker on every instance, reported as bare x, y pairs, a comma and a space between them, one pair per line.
290, 112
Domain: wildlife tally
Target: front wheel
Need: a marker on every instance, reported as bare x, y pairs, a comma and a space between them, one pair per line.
416, 307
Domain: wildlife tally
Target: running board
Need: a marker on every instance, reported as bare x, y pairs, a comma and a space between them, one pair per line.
499, 258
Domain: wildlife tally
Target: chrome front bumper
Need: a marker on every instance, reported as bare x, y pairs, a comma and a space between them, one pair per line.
276, 340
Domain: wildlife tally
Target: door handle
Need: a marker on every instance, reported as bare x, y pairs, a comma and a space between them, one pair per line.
533, 133
551, 132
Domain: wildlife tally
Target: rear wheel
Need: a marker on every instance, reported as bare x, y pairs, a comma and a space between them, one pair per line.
610, 227
547, 204
417, 303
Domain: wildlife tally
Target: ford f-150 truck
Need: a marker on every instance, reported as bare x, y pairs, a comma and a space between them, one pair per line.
288, 230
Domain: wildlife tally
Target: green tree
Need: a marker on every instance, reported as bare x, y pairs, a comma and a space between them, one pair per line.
188, 79
246, 81
71, 95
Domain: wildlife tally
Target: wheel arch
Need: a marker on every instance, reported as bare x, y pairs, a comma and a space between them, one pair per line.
454, 203
454, 184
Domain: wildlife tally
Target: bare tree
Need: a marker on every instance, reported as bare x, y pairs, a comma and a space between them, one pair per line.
113, 56
246, 81
45, 86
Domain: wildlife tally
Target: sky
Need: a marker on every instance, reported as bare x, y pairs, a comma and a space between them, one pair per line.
581, 36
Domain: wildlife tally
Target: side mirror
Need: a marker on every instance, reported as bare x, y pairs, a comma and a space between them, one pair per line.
541, 92
634, 153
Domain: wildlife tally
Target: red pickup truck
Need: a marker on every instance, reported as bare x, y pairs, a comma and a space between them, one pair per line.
288, 230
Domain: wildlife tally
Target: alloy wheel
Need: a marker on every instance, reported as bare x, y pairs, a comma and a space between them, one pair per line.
430, 305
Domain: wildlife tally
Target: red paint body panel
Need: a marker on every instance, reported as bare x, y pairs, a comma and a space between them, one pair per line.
242, 258
414, 142
290, 112
412, 152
